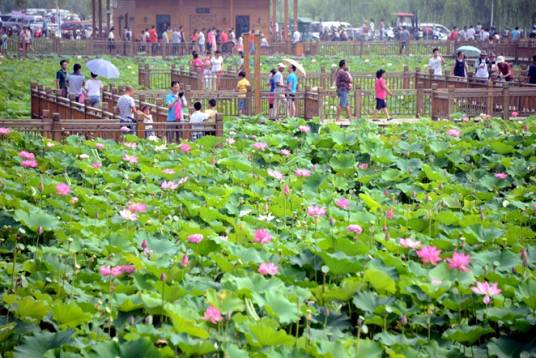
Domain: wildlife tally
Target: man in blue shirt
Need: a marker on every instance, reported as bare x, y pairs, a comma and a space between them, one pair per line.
516, 34
292, 87
174, 104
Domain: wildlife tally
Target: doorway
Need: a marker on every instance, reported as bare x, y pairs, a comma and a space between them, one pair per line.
242, 25
163, 23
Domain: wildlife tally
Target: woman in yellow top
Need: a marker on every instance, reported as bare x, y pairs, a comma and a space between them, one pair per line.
242, 89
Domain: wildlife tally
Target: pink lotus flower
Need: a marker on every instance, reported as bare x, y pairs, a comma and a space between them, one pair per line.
230, 141
286, 190
168, 171
316, 211
105, 270
363, 166
487, 290
74, 200
195, 238
96, 165
4, 131
515, 114
128, 269
429, 255
128, 215
456, 133
302, 173
260, 145
26, 155
409, 243
131, 145
262, 236
99, 145
185, 261
390, 213
501, 176
275, 174
169, 185
63, 189
459, 261
343, 203
285, 152
132, 159
356, 229
29, 163
212, 315
124, 129
137, 207
304, 129
185, 148
268, 268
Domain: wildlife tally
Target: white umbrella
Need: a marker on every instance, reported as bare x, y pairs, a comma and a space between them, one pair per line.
103, 68
299, 68
469, 51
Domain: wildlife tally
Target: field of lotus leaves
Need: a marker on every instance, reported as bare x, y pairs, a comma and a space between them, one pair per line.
279, 240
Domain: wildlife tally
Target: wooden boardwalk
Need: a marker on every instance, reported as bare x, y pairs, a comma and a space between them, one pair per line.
380, 122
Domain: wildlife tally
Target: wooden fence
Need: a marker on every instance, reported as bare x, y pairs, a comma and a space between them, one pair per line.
503, 102
520, 50
45, 102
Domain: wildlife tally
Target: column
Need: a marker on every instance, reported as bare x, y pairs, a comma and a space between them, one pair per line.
108, 16
99, 26
295, 15
93, 19
285, 23
274, 20
231, 16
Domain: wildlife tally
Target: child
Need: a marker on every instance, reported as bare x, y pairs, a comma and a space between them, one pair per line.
211, 111
381, 91
148, 121
242, 89
207, 75
197, 117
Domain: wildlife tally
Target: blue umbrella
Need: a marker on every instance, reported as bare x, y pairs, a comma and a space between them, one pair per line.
103, 68
469, 51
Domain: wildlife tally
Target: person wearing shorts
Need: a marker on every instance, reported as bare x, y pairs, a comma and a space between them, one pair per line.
242, 88
343, 83
271, 97
292, 87
381, 91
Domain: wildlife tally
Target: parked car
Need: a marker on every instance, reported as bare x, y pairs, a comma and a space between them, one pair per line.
433, 31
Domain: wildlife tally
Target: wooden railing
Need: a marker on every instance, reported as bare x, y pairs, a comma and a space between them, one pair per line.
515, 50
505, 102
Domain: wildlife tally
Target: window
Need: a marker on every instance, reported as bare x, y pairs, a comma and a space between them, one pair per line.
202, 10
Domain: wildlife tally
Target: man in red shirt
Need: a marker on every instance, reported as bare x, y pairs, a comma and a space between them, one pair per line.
453, 34
224, 38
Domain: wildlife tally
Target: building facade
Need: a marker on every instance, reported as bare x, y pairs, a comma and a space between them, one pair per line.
242, 15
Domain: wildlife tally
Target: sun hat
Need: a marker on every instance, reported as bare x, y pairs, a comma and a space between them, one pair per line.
281, 65
500, 59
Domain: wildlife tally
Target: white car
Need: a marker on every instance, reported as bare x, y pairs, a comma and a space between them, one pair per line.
432, 31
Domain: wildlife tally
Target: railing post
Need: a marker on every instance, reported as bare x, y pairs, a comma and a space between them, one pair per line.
46, 124
322, 77
506, 101
56, 127
358, 102
430, 78
417, 76
419, 105
489, 104
219, 125
147, 77
434, 104
321, 104
450, 105
405, 77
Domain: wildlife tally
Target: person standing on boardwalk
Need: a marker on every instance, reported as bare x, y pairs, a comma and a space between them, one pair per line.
174, 104
460, 66
436, 63
279, 88
532, 71
75, 82
242, 88
343, 83
127, 107
61, 78
403, 37
505, 69
292, 87
381, 91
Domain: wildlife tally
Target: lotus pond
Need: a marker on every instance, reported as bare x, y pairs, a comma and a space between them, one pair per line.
280, 240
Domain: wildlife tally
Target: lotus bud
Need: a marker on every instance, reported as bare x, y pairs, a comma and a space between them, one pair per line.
526, 128
385, 193
525, 257
149, 320
163, 277
131, 320
326, 311
360, 321
440, 186
144, 245
332, 221
266, 207
403, 320
40, 230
